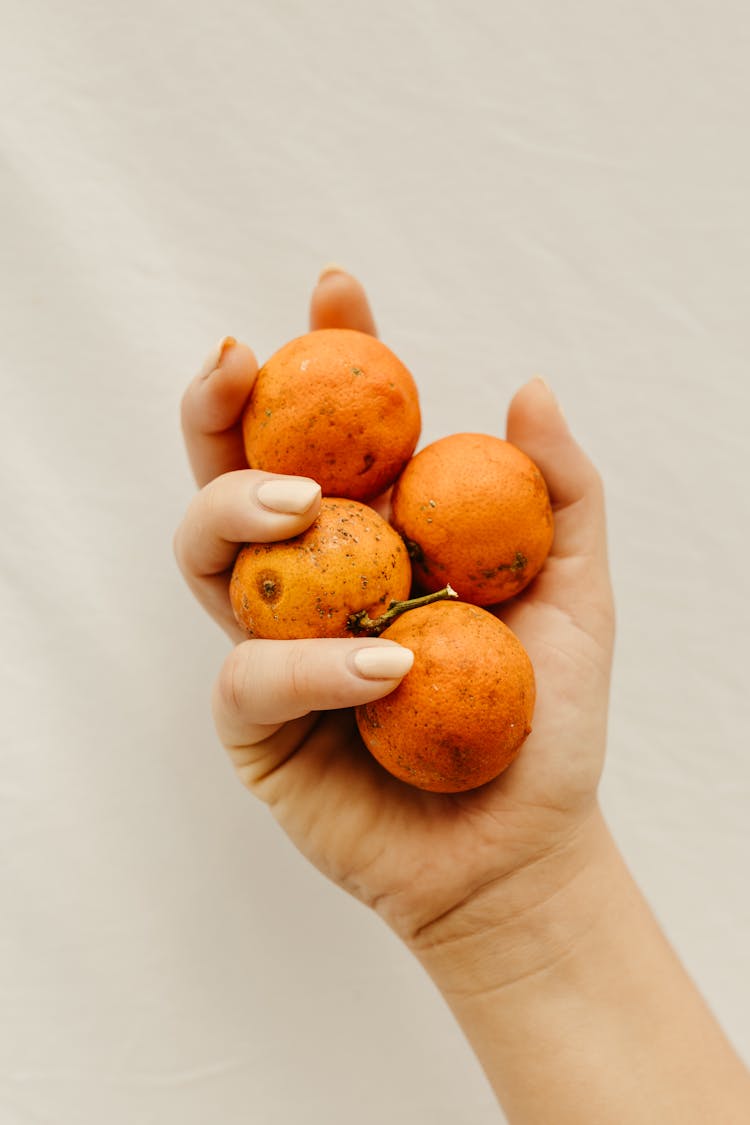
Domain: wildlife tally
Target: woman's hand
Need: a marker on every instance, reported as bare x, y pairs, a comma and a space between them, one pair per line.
428, 863
513, 896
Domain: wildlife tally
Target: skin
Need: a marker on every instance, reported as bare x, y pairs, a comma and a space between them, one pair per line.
513, 897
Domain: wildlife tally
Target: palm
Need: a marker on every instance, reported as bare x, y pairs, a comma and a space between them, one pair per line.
413, 854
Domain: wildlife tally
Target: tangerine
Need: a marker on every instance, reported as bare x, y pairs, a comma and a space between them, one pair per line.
475, 512
336, 405
347, 561
461, 714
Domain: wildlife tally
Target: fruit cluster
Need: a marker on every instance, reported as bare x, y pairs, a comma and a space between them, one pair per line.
470, 516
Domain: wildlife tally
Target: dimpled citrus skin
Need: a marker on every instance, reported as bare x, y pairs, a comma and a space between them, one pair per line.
335, 405
460, 716
475, 513
349, 559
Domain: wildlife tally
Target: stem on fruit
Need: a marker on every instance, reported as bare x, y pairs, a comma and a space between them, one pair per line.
361, 622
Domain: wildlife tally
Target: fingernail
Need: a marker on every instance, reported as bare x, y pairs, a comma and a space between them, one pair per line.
293, 496
550, 392
215, 357
332, 267
383, 663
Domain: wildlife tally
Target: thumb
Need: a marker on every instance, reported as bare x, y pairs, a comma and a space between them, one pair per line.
538, 427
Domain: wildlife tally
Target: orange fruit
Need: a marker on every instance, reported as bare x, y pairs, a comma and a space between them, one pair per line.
336, 405
348, 560
460, 716
474, 512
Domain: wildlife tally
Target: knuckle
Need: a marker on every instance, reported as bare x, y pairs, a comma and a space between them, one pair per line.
180, 545
592, 484
211, 493
222, 500
232, 693
184, 535
177, 541
188, 404
296, 673
597, 482
186, 410
207, 503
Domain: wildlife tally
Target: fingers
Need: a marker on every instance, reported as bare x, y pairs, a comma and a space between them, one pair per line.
212, 408
245, 506
340, 301
264, 684
537, 426
213, 403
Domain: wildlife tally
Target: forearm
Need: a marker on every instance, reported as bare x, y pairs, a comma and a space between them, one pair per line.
576, 1005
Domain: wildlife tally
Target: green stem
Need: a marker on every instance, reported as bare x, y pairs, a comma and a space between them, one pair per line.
361, 622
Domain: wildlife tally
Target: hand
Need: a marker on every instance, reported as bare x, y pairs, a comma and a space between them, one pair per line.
426, 862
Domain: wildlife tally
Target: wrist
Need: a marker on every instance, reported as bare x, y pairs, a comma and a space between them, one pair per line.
574, 1002
523, 923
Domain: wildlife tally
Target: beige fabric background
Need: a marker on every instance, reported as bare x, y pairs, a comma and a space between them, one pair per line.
539, 188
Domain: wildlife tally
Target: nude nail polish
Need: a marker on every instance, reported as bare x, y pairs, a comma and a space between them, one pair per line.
550, 392
329, 268
293, 495
213, 360
382, 663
